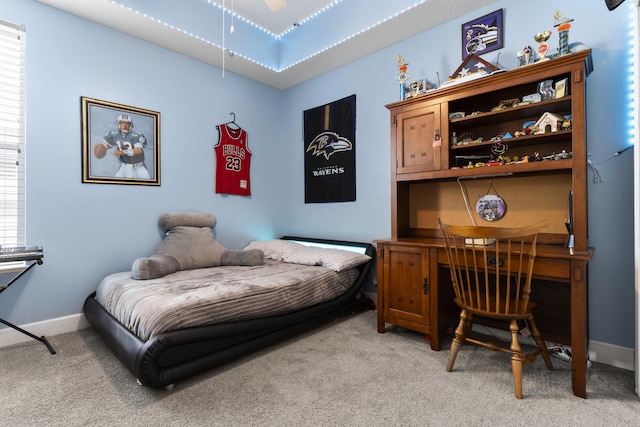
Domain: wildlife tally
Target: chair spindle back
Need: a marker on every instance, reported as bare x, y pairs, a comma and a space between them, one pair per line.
491, 267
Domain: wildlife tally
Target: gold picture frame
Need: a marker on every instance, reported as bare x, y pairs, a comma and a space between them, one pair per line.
120, 143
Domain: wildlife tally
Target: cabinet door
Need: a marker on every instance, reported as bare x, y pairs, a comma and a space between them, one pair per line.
406, 294
418, 140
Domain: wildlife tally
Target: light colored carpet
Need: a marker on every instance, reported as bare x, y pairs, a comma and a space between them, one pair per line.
342, 374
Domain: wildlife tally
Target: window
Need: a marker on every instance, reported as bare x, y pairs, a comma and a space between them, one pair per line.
12, 112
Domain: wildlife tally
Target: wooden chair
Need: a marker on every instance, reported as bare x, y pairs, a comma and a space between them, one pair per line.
491, 270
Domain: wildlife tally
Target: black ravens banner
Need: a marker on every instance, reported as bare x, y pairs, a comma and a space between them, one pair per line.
330, 152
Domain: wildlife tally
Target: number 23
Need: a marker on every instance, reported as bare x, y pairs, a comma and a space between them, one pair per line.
233, 164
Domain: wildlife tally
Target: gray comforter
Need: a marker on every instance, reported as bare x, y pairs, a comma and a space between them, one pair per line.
219, 294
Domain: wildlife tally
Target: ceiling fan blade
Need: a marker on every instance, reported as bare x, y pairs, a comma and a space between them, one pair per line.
276, 5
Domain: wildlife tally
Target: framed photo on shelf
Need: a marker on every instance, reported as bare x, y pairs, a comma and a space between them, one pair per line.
120, 144
483, 35
561, 88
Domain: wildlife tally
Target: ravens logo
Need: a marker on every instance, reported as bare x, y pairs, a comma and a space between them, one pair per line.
327, 143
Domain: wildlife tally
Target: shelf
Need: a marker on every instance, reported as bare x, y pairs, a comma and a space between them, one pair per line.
520, 168
415, 160
551, 137
523, 112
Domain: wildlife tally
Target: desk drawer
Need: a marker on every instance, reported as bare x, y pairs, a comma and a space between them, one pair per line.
543, 267
552, 268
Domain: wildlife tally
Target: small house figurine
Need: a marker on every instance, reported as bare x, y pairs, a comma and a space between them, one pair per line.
549, 122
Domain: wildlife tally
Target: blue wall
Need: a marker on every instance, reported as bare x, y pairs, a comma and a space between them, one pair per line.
91, 230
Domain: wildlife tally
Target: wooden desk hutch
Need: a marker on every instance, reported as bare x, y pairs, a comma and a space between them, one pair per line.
428, 182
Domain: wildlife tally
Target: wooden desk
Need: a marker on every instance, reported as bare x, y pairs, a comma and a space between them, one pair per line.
414, 292
436, 139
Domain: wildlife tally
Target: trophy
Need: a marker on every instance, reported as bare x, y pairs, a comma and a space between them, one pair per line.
561, 22
402, 76
543, 46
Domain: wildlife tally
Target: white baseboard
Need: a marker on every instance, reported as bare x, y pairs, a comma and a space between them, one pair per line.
609, 354
60, 325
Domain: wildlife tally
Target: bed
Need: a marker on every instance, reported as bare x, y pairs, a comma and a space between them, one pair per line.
213, 315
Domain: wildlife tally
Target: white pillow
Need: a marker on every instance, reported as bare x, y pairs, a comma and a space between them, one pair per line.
275, 249
334, 259
296, 253
338, 259
307, 255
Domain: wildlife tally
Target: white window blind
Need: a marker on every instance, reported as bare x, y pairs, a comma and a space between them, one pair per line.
12, 112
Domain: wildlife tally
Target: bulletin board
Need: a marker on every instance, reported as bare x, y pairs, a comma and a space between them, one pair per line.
527, 201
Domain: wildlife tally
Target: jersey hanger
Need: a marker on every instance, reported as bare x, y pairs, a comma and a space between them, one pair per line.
233, 122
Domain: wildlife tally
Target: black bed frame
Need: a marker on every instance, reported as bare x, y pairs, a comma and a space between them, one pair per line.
171, 356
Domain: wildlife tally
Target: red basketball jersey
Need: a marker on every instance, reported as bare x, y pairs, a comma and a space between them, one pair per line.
233, 161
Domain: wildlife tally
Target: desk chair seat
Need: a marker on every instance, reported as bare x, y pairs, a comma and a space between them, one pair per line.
491, 270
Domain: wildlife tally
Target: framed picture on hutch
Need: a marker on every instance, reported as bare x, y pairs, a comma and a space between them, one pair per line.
483, 35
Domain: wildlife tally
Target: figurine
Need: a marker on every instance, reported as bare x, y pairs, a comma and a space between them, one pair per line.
498, 148
559, 19
546, 90
414, 88
526, 56
559, 156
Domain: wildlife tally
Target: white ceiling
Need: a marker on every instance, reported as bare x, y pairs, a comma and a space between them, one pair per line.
277, 22
168, 23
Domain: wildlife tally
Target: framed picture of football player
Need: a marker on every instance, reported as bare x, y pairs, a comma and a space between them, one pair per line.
120, 144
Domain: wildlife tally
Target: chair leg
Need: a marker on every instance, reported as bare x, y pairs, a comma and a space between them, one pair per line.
516, 358
468, 325
460, 334
537, 336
